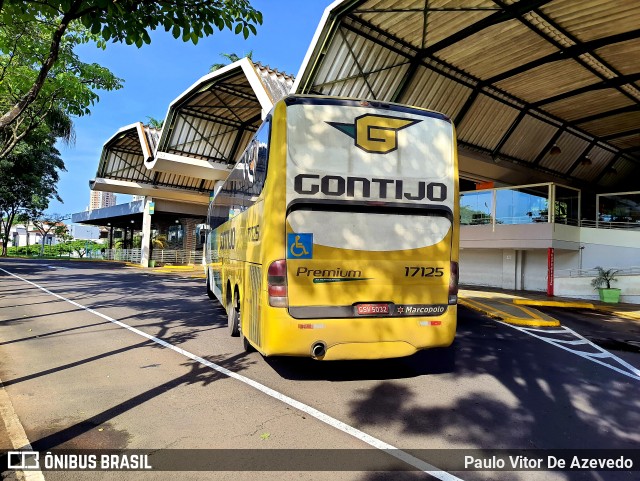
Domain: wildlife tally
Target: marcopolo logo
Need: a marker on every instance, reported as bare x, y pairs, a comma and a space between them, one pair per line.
376, 134
420, 309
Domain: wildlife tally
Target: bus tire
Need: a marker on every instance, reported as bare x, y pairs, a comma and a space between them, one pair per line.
210, 293
246, 344
233, 318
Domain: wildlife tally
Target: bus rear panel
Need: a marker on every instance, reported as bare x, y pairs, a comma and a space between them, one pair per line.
357, 251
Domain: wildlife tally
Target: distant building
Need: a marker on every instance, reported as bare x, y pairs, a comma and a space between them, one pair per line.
137, 197
101, 199
21, 235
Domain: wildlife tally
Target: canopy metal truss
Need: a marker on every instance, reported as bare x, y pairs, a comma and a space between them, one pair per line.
549, 87
206, 128
216, 117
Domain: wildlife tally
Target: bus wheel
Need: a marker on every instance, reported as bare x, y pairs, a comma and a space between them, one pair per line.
246, 344
233, 319
210, 293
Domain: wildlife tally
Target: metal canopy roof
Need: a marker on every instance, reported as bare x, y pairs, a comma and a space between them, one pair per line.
215, 118
123, 154
206, 128
517, 77
123, 159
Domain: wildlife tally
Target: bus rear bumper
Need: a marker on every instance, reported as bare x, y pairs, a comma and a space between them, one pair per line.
365, 338
368, 350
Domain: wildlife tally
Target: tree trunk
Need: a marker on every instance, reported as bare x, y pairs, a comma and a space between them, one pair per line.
6, 228
27, 99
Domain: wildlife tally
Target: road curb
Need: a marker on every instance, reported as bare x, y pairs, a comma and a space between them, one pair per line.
579, 305
17, 436
569, 304
502, 316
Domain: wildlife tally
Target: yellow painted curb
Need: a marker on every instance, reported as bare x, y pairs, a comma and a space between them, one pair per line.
635, 316
483, 308
131, 264
504, 317
533, 322
570, 304
181, 268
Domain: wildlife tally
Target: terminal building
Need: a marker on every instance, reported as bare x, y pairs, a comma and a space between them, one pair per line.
544, 96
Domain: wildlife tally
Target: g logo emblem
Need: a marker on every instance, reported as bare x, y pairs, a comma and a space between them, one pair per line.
376, 134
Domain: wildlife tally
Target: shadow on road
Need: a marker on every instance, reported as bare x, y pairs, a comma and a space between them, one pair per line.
555, 399
432, 361
199, 374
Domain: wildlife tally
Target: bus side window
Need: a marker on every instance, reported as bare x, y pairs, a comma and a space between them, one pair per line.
246, 181
260, 157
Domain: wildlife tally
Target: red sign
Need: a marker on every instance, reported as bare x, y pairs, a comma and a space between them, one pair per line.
550, 274
484, 185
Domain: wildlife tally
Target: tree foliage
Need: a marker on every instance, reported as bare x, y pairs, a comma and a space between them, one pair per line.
28, 178
67, 89
604, 277
155, 123
37, 41
231, 57
48, 223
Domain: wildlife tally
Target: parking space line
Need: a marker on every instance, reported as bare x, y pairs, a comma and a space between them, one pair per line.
630, 371
577, 342
319, 415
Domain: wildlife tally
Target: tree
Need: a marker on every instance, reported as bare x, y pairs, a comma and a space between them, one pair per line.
68, 88
28, 178
61, 232
68, 23
231, 57
81, 247
155, 123
45, 223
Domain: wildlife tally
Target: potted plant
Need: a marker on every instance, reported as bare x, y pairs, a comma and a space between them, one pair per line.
603, 278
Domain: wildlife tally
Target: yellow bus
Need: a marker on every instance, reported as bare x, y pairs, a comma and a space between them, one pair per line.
336, 234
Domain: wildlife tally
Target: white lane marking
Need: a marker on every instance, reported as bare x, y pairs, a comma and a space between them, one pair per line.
325, 418
546, 331
577, 342
16, 433
593, 357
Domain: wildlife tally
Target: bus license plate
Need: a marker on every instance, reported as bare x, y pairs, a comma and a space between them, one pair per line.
372, 309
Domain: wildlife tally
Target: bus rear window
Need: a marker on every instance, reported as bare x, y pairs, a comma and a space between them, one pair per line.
322, 138
371, 232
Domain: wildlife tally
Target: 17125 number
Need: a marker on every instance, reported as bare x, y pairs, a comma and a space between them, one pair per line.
423, 271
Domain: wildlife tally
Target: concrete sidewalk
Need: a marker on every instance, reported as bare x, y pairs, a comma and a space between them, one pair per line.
519, 307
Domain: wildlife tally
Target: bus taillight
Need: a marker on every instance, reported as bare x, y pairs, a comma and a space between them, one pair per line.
453, 284
277, 283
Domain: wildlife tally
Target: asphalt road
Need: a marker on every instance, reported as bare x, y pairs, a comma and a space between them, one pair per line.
77, 380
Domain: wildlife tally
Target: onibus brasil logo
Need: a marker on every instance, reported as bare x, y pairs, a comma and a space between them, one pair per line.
376, 134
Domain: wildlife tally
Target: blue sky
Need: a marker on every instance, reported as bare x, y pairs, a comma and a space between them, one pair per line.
156, 74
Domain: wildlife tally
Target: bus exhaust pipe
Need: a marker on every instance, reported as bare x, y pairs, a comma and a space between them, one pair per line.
319, 349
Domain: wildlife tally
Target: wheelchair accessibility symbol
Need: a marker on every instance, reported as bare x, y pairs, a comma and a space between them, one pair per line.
299, 246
